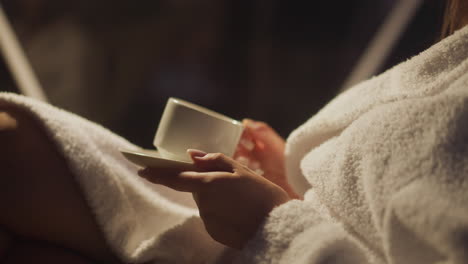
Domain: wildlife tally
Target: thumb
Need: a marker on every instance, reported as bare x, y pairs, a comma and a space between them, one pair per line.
267, 140
211, 161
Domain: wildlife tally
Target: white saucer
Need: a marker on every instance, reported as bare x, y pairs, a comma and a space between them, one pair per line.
151, 158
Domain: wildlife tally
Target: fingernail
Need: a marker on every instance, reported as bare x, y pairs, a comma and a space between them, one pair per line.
243, 160
253, 124
260, 145
254, 165
259, 172
196, 152
246, 120
247, 144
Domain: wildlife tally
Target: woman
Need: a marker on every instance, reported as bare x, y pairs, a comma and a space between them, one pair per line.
382, 169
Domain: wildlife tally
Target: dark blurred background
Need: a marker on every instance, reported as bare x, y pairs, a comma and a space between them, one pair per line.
117, 61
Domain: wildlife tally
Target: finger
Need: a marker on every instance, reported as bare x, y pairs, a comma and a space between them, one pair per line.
215, 162
7, 122
253, 125
242, 152
260, 130
250, 163
254, 165
259, 133
247, 143
159, 176
210, 162
266, 138
181, 182
151, 174
190, 181
243, 160
196, 153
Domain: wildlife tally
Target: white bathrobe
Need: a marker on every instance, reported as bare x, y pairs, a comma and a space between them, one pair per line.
383, 168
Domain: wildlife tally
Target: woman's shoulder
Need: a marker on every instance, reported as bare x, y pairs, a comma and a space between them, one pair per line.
442, 69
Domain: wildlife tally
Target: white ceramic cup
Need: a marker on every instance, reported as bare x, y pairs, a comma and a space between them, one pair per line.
185, 126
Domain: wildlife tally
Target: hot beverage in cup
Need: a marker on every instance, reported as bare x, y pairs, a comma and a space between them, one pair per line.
185, 126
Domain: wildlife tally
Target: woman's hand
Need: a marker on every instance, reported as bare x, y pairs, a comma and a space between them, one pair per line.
232, 199
262, 150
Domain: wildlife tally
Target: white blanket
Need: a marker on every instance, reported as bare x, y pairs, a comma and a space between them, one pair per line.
383, 168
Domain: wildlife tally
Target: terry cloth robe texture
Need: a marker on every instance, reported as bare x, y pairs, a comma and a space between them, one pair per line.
141, 222
383, 169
